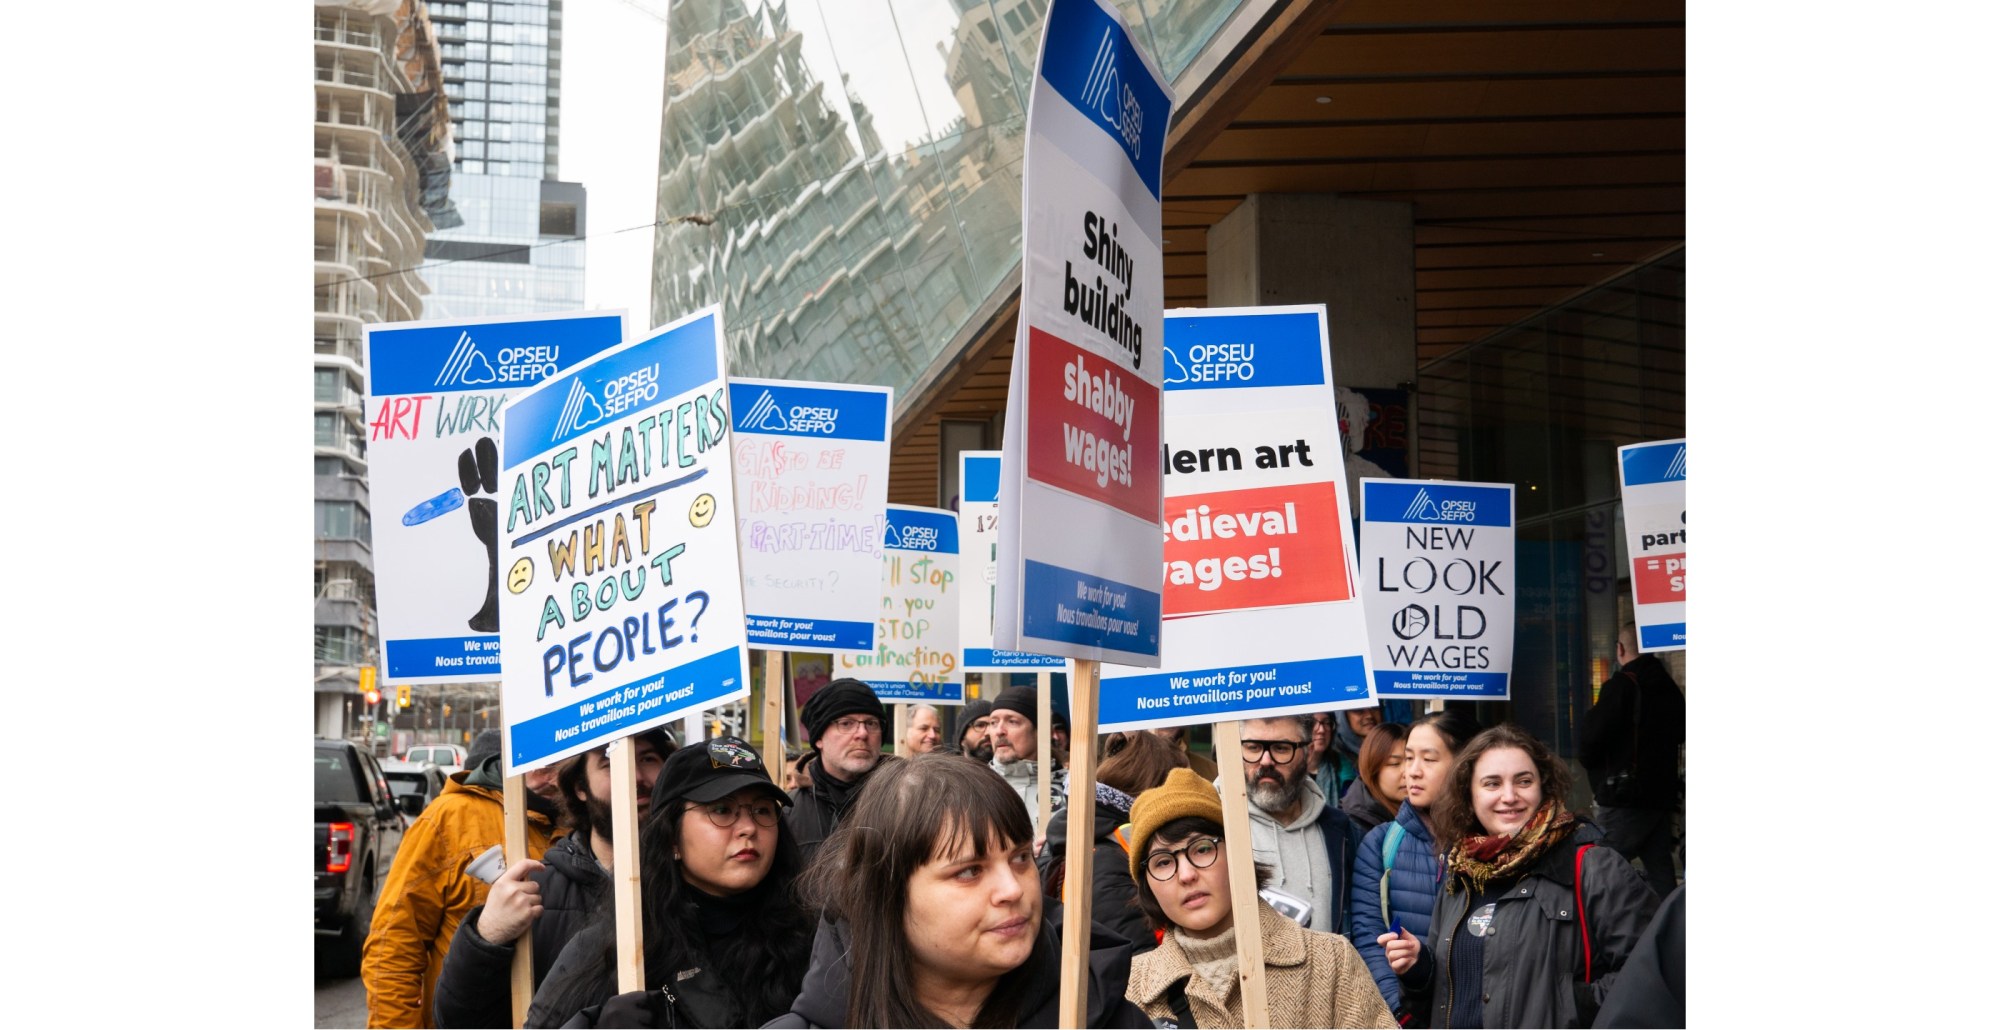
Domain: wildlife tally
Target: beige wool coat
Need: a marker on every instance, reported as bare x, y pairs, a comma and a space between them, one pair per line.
1311, 979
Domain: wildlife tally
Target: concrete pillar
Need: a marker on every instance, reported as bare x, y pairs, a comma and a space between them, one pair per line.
1358, 257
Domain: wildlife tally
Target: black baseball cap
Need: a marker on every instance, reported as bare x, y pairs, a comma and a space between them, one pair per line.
711, 770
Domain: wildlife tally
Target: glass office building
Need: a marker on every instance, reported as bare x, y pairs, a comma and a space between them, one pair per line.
513, 245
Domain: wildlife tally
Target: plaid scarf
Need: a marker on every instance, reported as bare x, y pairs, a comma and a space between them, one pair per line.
1484, 859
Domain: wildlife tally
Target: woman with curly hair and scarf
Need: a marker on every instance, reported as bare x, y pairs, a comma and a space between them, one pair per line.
1536, 916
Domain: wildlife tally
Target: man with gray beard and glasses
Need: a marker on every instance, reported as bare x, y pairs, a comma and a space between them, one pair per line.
1307, 842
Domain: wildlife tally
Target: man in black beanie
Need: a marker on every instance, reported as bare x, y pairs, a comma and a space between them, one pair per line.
972, 722
843, 722
1014, 751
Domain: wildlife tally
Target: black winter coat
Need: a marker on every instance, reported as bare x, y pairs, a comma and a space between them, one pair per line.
1533, 963
1113, 895
822, 1001
817, 810
1610, 741
474, 989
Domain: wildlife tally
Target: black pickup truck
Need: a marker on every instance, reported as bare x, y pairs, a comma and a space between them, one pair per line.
356, 825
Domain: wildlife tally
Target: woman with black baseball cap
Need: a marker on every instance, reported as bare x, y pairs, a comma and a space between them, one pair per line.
726, 938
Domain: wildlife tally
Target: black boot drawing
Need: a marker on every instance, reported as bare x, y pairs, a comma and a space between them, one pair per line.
479, 472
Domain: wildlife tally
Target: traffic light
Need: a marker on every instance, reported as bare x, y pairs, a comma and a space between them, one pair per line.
373, 697
403, 696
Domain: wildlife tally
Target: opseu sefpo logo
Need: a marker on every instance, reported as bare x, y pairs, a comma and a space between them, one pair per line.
1112, 100
467, 365
1424, 509
767, 415
913, 538
581, 409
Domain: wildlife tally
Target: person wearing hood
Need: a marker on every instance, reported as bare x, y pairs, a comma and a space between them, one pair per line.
428, 892
1374, 796
843, 722
1134, 762
553, 898
931, 914
1306, 841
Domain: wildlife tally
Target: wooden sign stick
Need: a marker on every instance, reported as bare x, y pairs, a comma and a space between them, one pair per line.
625, 864
1243, 898
1073, 1002
513, 848
1044, 753
774, 715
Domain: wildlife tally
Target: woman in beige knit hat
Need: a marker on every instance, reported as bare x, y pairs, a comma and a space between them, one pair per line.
1312, 979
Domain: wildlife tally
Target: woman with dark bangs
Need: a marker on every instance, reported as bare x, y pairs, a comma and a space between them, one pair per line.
1536, 917
933, 915
1375, 795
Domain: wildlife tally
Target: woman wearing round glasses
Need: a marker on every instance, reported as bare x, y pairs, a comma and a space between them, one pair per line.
726, 938
1178, 861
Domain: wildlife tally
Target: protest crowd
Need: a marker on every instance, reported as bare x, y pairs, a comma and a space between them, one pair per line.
1428, 874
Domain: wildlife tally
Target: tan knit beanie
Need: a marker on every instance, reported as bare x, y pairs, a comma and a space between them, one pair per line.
1185, 793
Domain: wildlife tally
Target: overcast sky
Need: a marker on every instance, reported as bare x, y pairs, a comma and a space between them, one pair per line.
613, 55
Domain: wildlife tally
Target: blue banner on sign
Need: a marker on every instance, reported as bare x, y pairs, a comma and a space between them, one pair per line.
815, 413
1220, 693
1078, 608
987, 657
1436, 504
1229, 351
1657, 463
1665, 634
451, 358
441, 656
892, 690
921, 531
772, 631
609, 713
650, 372
980, 481
1430, 682
1088, 59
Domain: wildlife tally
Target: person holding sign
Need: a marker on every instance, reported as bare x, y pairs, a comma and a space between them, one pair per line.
1182, 871
933, 916
724, 934
1013, 734
1396, 870
1295, 828
1536, 917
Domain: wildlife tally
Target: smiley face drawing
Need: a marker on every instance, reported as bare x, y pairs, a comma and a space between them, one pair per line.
703, 511
518, 577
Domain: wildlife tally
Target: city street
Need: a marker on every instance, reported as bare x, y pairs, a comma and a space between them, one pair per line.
340, 1003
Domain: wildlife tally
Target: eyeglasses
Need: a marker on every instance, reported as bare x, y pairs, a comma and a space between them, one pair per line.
1200, 852
857, 724
1281, 751
724, 813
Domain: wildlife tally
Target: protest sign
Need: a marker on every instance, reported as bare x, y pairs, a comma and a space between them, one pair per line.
1263, 611
435, 390
1653, 480
812, 478
978, 564
1437, 565
916, 649
1080, 494
623, 604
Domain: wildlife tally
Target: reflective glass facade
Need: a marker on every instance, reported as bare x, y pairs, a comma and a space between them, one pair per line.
1546, 405
845, 178
507, 250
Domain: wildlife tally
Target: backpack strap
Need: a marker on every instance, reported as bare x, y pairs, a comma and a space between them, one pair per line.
1582, 923
1391, 843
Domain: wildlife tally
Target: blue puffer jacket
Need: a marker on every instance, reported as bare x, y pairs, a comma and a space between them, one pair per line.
1413, 888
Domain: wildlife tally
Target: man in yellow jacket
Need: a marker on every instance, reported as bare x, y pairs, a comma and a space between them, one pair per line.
428, 890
